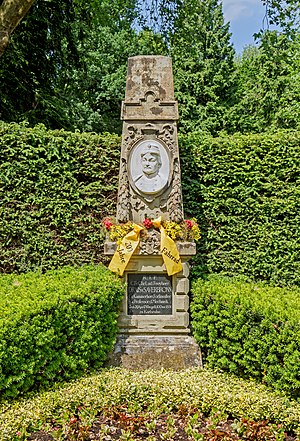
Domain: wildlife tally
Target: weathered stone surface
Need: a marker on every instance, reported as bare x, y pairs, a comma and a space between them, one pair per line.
154, 315
155, 352
184, 248
149, 74
149, 137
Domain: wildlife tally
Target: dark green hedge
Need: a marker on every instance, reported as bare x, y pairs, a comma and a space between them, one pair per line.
55, 326
245, 191
56, 187
251, 330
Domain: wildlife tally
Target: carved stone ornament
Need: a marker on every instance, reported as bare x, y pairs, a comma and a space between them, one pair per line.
149, 182
123, 208
150, 243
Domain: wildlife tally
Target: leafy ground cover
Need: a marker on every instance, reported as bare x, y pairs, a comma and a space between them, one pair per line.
195, 404
185, 425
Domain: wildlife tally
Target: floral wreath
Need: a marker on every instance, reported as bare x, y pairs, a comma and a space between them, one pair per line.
185, 230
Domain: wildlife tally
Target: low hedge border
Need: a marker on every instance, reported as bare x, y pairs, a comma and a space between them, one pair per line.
154, 391
249, 329
55, 326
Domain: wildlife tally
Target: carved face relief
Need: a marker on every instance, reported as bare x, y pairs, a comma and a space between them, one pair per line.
149, 167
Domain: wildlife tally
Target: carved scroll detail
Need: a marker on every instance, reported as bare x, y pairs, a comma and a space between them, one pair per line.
167, 135
175, 207
133, 134
123, 208
151, 243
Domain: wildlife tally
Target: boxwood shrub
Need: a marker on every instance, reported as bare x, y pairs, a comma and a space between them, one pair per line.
249, 329
55, 326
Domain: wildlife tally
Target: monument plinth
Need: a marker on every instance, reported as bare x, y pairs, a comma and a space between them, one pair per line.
154, 316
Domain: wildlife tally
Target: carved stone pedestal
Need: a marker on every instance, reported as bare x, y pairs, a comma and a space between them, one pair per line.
138, 352
154, 317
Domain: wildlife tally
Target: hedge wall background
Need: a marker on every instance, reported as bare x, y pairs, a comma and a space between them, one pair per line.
55, 188
244, 189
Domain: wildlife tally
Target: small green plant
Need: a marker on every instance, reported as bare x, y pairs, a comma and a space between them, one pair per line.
150, 425
126, 435
170, 429
104, 431
259, 430
193, 426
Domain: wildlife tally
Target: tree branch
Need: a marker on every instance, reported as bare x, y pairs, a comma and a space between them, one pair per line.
11, 13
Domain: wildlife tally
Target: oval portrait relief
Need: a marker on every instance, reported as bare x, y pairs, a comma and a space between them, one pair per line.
149, 167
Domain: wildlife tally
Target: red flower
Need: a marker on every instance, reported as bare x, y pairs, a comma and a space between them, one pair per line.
107, 223
148, 223
188, 224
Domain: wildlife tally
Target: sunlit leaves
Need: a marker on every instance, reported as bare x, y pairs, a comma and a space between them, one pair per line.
249, 329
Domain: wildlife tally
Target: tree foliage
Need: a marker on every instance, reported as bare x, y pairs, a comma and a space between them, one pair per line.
203, 60
67, 60
66, 65
94, 91
284, 13
42, 46
268, 86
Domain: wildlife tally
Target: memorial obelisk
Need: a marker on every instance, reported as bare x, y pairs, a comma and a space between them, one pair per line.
154, 317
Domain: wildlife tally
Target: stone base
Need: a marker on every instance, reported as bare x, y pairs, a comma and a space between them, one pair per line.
139, 352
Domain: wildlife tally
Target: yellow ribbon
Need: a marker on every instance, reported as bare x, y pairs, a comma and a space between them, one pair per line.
125, 250
130, 242
168, 250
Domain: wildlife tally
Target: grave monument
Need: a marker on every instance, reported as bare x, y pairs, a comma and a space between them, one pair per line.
154, 317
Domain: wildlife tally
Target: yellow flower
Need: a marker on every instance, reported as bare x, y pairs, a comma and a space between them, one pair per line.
118, 232
173, 229
196, 232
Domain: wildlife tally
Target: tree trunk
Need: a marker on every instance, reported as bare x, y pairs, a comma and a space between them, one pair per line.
11, 13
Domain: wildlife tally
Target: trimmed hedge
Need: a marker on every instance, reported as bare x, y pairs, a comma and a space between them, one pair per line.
249, 329
55, 186
158, 392
55, 326
244, 190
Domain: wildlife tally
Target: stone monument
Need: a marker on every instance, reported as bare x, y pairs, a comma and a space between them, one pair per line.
154, 317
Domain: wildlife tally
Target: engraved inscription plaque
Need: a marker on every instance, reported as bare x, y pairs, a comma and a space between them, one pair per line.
149, 294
